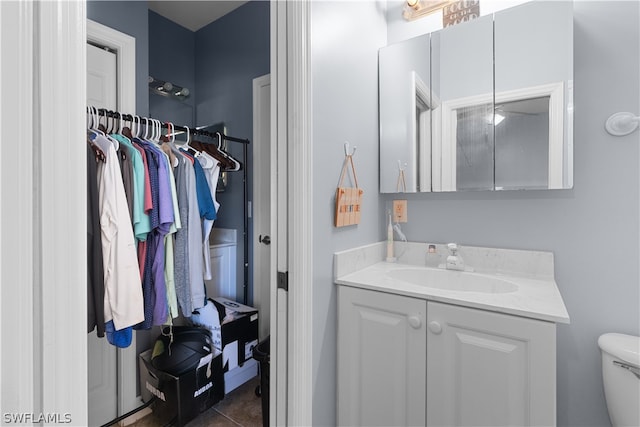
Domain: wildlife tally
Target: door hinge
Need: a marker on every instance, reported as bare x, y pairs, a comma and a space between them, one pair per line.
283, 280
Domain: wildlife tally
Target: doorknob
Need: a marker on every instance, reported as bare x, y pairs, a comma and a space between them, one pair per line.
266, 239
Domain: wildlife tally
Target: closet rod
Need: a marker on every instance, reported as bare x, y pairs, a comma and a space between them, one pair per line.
193, 131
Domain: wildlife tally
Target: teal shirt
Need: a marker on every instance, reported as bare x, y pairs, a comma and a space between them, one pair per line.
141, 222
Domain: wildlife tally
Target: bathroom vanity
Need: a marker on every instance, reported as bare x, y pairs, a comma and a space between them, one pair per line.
429, 346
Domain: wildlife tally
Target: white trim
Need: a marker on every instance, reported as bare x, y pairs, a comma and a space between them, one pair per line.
420, 90
279, 212
61, 206
300, 217
125, 47
19, 330
555, 92
436, 149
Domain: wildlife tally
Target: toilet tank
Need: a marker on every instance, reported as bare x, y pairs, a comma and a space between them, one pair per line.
621, 385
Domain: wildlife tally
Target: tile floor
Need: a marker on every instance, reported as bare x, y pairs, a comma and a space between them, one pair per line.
241, 408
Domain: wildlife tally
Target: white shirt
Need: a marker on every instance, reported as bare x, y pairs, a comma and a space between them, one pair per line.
123, 299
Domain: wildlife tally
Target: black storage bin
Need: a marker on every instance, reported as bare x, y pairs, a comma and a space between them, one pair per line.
185, 381
261, 354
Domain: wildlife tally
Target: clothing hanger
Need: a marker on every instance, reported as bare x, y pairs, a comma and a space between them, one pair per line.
213, 152
105, 131
207, 161
154, 130
95, 122
235, 165
126, 130
89, 118
135, 130
110, 121
226, 161
157, 126
92, 132
146, 127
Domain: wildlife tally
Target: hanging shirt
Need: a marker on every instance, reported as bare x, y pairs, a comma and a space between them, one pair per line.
151, 247
123, 300
169, 262
196, 259
211, 168
143, 228
162, 221
138, 186
95, 272
181, 253
126, 171
205, 201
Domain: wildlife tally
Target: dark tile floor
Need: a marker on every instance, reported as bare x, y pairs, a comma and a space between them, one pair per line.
241, 408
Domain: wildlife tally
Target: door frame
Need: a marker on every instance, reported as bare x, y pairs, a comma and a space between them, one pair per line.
43, 211
125, 49
292, 133
261, 147
45, 367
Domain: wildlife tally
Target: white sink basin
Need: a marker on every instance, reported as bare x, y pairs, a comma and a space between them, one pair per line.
453, 280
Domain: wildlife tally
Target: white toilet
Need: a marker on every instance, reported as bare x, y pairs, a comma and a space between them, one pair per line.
621, 377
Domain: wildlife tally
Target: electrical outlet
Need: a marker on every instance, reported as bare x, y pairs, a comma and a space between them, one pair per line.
399, 211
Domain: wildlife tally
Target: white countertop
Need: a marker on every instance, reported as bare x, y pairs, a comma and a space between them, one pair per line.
536, 297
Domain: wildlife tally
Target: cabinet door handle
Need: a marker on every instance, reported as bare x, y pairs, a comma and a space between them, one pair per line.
435, 327
415, 322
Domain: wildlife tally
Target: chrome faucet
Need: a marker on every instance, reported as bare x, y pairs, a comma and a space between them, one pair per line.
454, 261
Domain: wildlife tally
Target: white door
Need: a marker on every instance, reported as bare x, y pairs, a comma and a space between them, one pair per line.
489, 369
381, 359
103, 385
262, 202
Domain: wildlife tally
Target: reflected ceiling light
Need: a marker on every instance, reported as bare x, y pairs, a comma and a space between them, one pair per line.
495, 118
415, 9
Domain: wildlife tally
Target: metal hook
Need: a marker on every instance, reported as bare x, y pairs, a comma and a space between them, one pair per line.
346, 149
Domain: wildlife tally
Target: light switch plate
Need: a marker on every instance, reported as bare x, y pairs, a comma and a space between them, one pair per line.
399, 211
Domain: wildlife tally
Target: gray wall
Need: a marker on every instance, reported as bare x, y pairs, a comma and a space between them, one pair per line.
129, 17
593, 230
229, 54
172, 58
345, 40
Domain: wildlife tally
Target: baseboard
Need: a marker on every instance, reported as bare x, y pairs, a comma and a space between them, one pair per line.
135, 417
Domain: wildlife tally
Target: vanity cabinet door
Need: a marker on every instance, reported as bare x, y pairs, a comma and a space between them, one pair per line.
489, 369
381, 359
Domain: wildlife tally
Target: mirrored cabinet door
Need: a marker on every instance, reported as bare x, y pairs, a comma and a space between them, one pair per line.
483, 105
533, 95
405, 116
462, 82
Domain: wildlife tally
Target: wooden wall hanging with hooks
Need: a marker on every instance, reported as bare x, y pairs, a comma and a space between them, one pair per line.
348, 199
